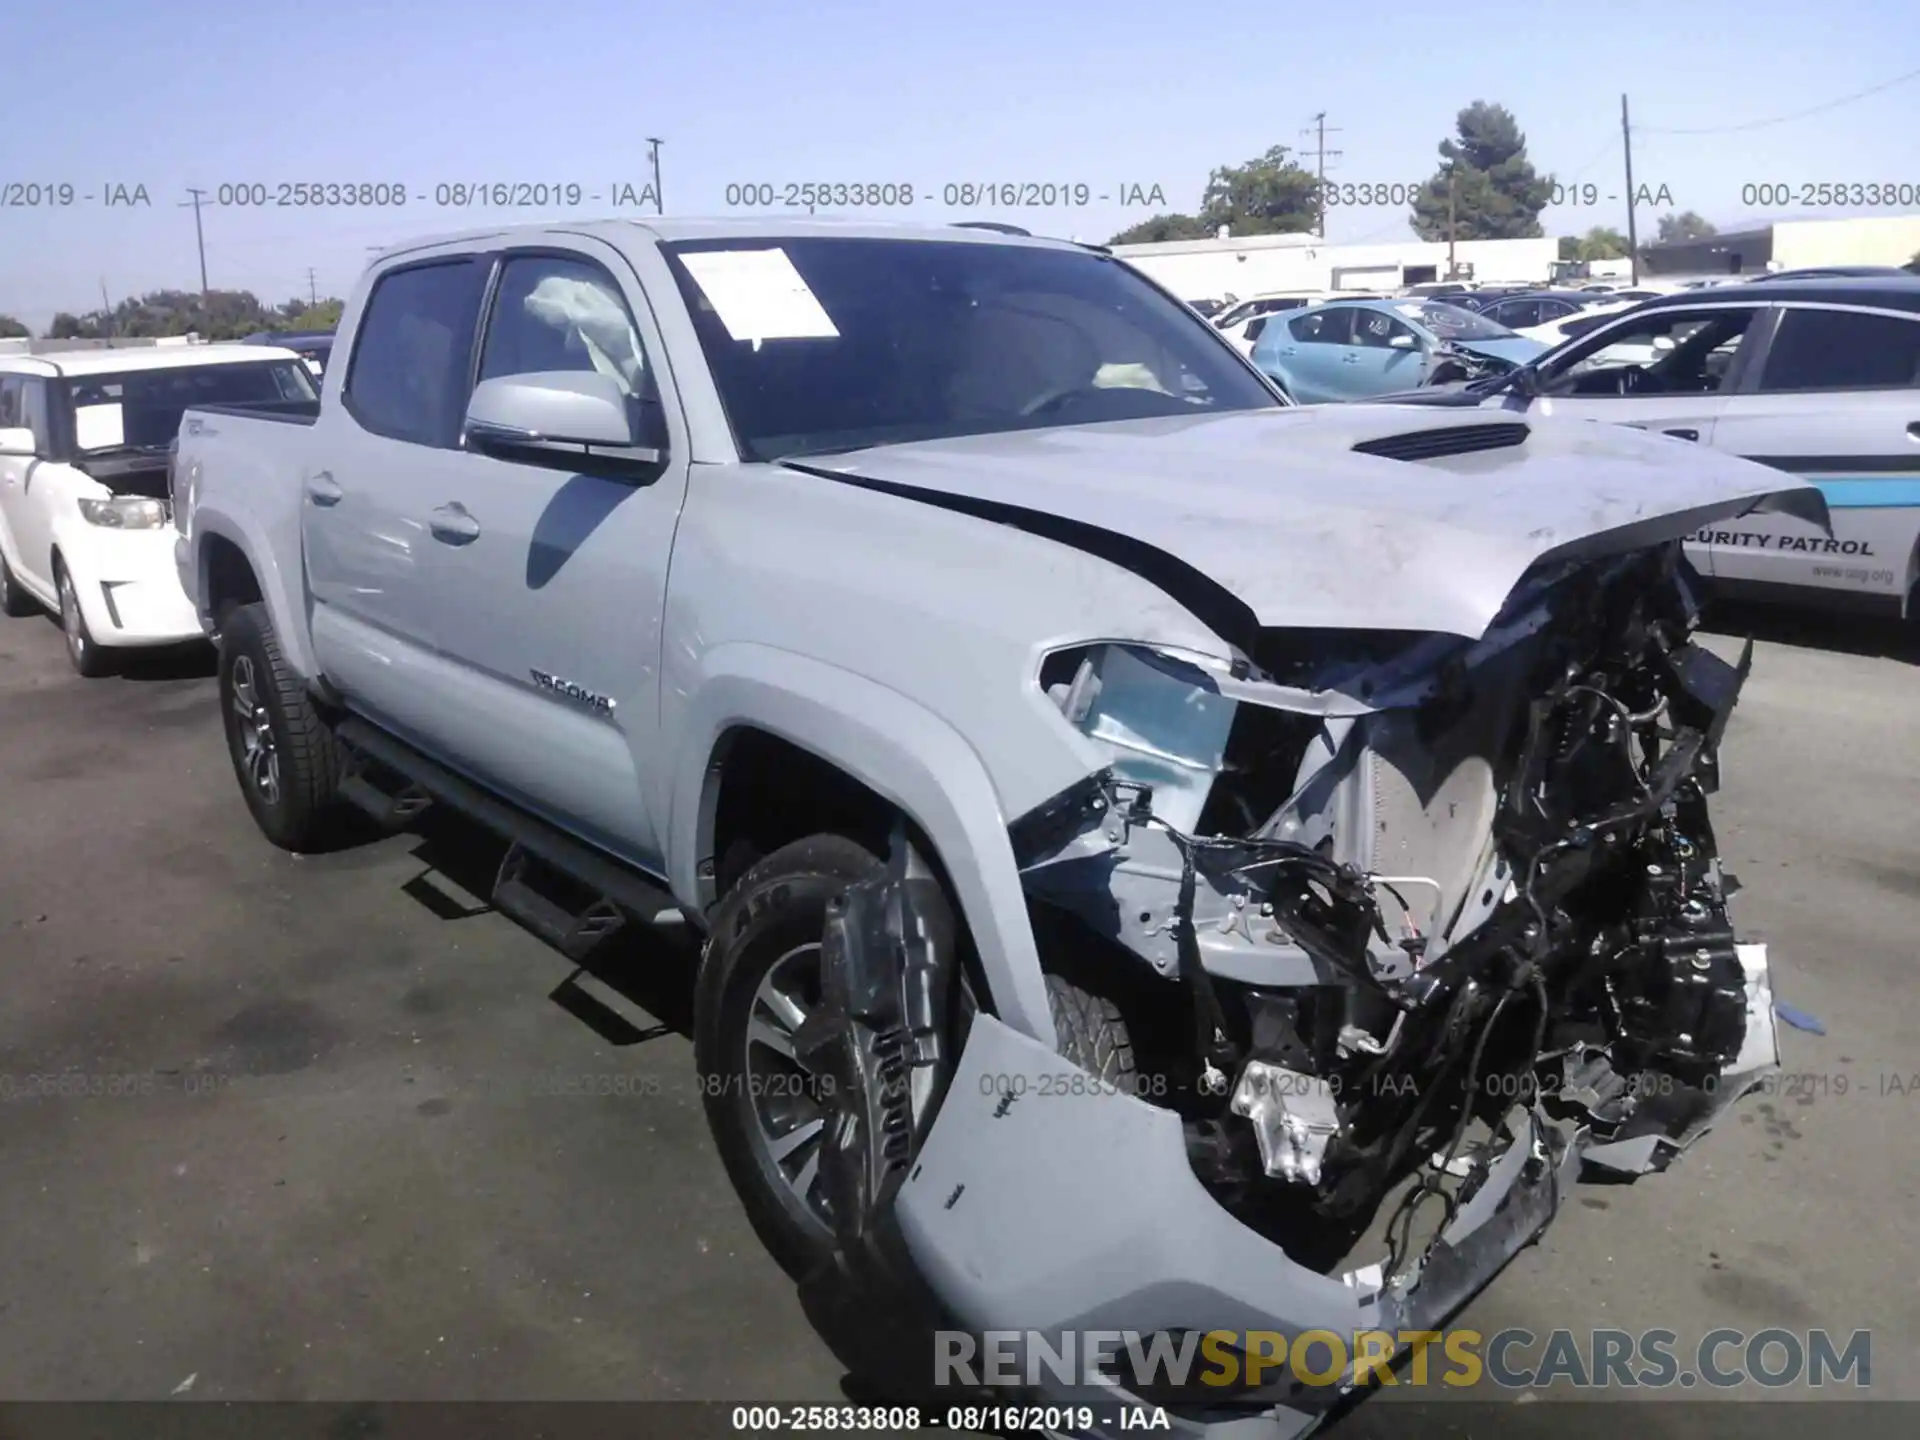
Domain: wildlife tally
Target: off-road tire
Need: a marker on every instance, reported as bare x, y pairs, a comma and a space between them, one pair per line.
1092, 1033
780, 903
15, 602
306, 812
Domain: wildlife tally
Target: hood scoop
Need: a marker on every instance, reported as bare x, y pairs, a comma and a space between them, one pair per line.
1436, 444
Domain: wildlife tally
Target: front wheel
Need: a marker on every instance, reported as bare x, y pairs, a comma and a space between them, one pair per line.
283, 751
88, 659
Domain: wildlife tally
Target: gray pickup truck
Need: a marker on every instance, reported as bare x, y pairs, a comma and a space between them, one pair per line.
1146, 835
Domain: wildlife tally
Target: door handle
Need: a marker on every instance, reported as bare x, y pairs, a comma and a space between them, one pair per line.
453, 525
1288, 351
322, 490
1684, 434
1349, 359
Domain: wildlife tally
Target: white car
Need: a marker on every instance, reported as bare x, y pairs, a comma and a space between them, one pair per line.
85, 443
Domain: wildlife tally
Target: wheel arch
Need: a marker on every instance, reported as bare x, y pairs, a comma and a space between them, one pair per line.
886, 757
223, 542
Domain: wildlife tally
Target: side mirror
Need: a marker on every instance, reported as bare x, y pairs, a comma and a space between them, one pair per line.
1663, 343
16, 442
1403, 342
561, 415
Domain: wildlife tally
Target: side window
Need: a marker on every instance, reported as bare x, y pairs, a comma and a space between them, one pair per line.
552, 313
34, 414
407, 379
1255, 326
1843, 350
1324, 327
1376, 330
10, 388
1668, 352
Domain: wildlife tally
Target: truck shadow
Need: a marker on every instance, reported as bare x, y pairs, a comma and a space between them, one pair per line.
1872, 636
650, 968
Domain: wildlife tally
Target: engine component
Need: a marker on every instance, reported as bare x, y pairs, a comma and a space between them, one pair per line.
1294, 1117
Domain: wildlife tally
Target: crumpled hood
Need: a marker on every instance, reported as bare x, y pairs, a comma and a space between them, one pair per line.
1275, 507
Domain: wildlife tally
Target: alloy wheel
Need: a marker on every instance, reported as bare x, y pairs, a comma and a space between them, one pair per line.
259, 756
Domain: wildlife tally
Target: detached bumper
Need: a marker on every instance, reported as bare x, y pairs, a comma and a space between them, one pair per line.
1056, 1213
128, 587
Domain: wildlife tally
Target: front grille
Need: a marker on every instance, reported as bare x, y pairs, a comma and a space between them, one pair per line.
1434, 444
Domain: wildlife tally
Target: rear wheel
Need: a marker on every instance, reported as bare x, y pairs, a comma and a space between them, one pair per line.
89, 660
283, 751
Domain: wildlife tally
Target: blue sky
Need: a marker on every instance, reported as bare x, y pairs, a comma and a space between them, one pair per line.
1111, 93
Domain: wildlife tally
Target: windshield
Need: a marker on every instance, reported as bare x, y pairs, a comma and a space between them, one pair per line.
142, 408
1450, 322
831, 343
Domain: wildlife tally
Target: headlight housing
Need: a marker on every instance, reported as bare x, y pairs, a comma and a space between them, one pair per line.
1158, 715
125, 512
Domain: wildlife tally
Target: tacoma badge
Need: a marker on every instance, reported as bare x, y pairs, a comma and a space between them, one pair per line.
600, 703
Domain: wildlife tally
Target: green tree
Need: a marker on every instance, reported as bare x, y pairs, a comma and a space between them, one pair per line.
12, 329
1267, 195
66, 326
1496, 195
1599, 243
1157, 228
1672, 229
303, 316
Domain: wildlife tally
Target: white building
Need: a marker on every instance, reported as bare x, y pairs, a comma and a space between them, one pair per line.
1790, 245
1253, 264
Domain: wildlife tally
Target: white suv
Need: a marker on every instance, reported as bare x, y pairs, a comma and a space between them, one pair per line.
85, 523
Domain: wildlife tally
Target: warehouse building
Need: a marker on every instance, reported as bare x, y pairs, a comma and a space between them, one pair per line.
1254, 264
1788, 245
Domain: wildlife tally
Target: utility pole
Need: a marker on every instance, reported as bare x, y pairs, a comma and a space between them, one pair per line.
1633, 232
653, 144
106, 307
1321, 156
200, 236
313, 295
1452, 268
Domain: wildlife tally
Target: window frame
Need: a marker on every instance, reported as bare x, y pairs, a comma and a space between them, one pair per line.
460, 365
1781, 310
1751, 350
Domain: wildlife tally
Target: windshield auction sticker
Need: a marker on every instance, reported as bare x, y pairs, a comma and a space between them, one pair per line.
759, 295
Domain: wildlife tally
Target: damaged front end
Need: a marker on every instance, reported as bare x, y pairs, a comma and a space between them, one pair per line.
1401, 926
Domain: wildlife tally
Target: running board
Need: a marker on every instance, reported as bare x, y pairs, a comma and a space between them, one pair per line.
617, 891
389, 808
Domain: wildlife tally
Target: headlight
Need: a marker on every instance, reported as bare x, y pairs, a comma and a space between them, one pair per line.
125, 512
1157, 714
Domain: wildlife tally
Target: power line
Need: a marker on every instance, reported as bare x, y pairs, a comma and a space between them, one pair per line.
1783, 119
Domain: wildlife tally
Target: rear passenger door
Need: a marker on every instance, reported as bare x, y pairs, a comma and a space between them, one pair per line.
564, 572
1836, 401
1307, 359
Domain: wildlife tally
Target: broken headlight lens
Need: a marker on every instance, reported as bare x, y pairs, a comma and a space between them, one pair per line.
1161, 718
125, 512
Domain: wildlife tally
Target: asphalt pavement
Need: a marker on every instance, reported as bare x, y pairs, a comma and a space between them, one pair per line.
332, 1130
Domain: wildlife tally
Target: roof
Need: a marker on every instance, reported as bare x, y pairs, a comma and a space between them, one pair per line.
1888, 292
145, 357
761, 227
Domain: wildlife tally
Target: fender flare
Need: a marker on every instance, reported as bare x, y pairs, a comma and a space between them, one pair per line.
285, 597
908, 756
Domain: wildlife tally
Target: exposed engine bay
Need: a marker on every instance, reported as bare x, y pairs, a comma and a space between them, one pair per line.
1406, 883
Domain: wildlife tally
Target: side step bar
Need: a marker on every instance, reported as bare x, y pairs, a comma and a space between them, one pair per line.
617, 891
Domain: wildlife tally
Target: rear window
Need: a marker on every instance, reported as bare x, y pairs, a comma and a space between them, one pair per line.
141, 409
1843, 350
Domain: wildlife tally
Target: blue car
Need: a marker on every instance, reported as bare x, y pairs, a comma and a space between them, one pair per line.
1355, 349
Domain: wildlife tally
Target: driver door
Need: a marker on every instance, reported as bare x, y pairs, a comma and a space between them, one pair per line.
1670, 371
